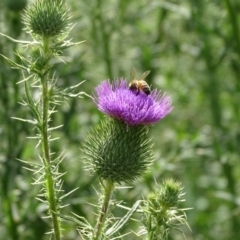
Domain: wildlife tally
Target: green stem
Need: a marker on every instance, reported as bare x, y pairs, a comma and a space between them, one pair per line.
45, 108
106, 41
234, 21
149, 228
51, 195
235, 31
10, 224
50, 182
108, 189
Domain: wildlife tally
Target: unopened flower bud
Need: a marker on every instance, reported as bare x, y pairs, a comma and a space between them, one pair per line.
117, 152
46, 18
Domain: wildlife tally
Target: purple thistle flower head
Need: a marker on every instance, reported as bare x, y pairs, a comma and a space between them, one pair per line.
118, 101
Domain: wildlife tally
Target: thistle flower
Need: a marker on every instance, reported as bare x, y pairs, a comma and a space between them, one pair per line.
117, 101
113, 151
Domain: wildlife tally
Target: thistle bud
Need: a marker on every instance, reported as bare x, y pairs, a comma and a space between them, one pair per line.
170, 193
117, 152
161, 210
46, 18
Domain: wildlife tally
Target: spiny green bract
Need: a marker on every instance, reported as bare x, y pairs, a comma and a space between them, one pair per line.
161, 210
117, 152
168, 196
46, 18
170, 193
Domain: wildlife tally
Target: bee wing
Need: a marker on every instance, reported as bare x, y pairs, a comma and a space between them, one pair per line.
145, 74
132, 73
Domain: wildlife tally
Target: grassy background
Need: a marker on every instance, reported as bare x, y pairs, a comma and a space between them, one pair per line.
193, 51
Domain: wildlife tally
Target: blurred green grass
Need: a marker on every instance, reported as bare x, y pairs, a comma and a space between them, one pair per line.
193, 51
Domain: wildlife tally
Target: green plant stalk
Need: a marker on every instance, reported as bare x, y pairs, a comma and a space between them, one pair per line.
108, 189
149, 223
161, 228
47, 162
7, 176
51, 195
235, 31
105, 40
45, 107
7, 201
9, 100
235, 28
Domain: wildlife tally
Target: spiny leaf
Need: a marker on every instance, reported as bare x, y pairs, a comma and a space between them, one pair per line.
14, 64
68, 193
119, 224
26, 120
20, 41
82, 222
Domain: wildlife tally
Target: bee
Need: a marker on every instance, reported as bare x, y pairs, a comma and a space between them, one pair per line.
139, 85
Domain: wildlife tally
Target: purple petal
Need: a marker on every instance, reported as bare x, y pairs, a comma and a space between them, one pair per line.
117, 101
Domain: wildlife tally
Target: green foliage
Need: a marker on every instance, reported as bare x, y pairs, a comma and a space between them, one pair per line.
117, 152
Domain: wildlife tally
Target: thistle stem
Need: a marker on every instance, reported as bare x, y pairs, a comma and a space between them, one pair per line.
108, 189
106, 41
50, 182
45, 108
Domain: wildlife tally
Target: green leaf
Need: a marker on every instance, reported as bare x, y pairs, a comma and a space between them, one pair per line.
14, 64
119, 224
81, 221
